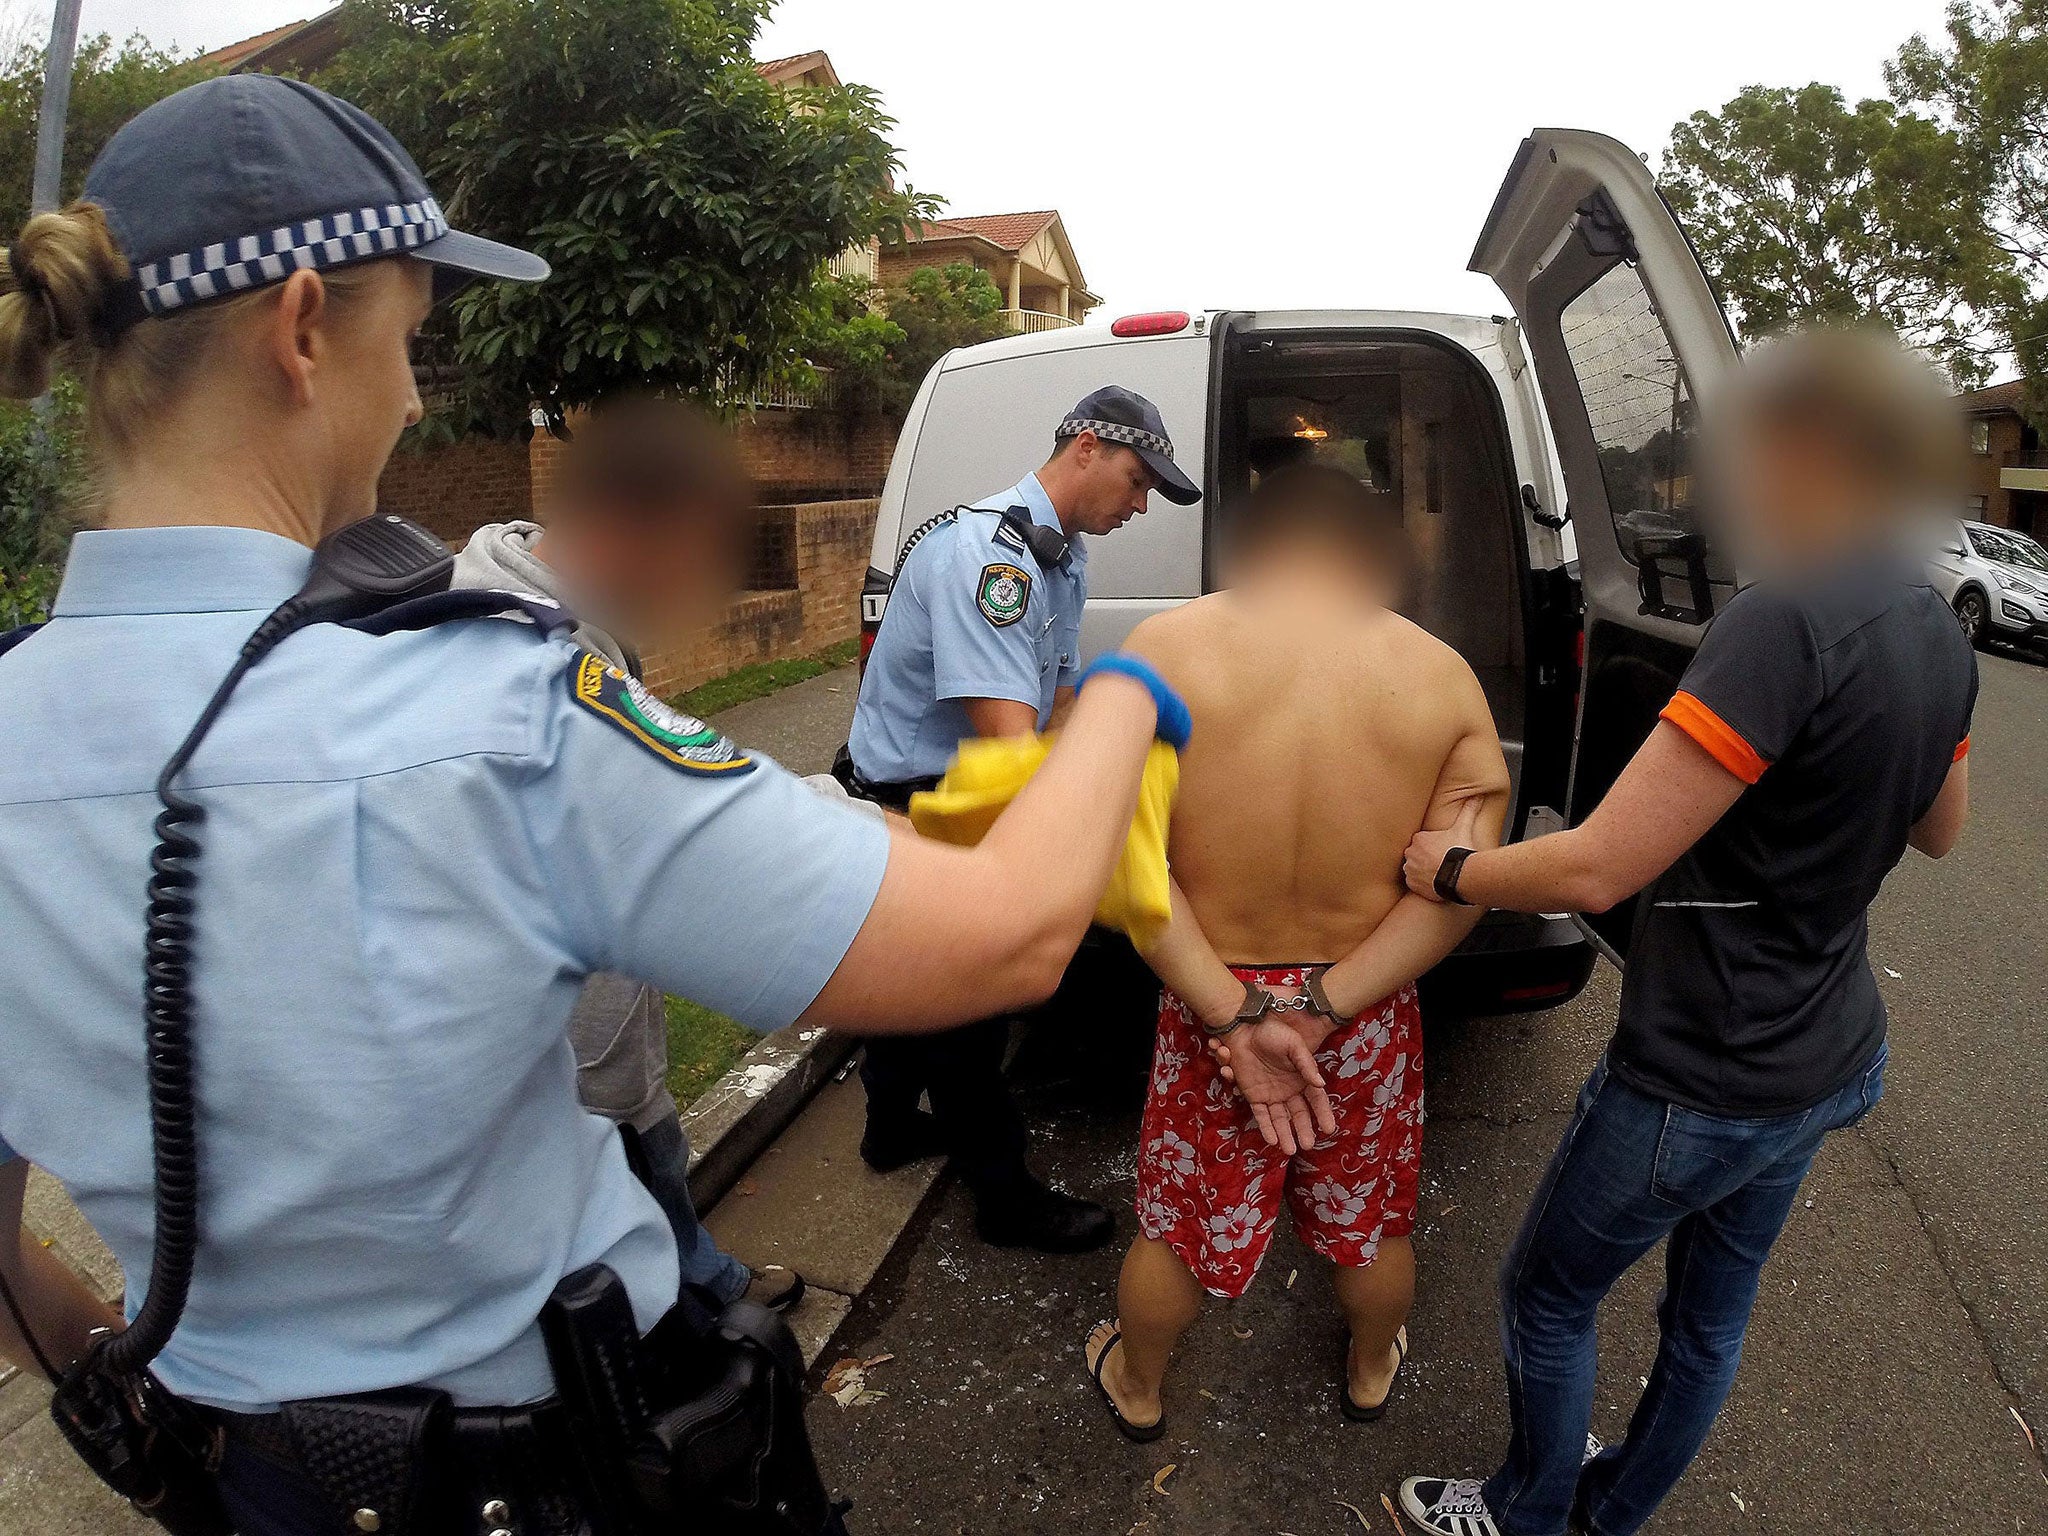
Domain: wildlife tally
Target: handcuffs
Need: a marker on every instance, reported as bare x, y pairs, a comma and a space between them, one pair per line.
1258, 1002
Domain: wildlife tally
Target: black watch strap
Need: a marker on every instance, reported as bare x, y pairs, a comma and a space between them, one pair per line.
1447, 875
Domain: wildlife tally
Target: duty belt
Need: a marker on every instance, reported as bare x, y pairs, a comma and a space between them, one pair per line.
494, 1471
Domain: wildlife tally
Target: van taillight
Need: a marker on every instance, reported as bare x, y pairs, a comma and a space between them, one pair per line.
874, 602
1162, 322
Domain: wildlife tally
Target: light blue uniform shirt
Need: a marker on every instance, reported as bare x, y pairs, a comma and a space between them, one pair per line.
415, 849
955, 630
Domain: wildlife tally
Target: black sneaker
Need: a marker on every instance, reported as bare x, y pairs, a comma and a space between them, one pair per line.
773, 1286
1447, 1506
896, 1141
1031, 1215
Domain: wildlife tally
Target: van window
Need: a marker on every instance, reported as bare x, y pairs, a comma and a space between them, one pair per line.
1640, 404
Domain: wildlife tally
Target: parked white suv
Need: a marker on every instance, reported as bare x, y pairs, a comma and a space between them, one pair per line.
1996, 580
1508, 439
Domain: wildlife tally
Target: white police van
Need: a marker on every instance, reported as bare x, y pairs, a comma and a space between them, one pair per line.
1542, 461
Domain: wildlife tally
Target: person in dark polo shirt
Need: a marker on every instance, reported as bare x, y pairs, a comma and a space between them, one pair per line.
1822, 729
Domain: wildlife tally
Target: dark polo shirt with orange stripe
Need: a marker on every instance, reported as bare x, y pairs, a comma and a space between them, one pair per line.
1841, 702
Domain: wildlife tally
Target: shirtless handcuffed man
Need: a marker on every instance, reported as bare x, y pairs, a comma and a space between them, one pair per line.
1327, 730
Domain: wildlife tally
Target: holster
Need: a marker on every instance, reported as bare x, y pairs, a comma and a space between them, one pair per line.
701, 1422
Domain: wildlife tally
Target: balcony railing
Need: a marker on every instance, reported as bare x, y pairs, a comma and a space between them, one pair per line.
1026, 322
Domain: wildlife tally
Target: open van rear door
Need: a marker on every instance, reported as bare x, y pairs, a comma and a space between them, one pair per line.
1625, 334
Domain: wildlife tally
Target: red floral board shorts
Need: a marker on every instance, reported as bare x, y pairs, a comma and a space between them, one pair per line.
1210, 1187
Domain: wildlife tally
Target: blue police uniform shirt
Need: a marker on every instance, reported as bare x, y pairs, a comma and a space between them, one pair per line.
972, 616
415, 849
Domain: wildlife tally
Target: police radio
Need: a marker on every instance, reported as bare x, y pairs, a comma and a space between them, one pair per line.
155, 1451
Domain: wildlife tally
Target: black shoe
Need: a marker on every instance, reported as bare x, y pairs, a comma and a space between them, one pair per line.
1029, 1215
896, 1141
774, 1286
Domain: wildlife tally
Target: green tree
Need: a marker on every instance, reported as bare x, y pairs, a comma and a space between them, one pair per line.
1808, 210
110, 83
686, 203
1986, 81
938, 309
39, 468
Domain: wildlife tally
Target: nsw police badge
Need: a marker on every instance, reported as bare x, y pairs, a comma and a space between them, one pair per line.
1004, 592
680, 739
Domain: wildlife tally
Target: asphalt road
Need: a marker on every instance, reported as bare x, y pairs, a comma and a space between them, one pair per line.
1903, 1321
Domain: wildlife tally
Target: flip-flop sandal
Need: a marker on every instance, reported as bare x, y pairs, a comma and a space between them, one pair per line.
1142, 1434
1356, 1411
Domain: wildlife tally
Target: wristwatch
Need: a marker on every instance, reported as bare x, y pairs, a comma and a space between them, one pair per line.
1447, 875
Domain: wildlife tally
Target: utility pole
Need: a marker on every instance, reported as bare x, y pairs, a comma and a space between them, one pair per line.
49, 177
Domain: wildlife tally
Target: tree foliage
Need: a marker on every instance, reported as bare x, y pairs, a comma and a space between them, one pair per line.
878, 344
687, 204
938, 309
1808, 210
1986, 82
110, 83
39, 467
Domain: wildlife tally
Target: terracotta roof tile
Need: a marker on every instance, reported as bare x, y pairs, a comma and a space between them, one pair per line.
233, 53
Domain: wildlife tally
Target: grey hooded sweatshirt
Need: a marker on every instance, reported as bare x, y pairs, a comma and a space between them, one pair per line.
619, 1027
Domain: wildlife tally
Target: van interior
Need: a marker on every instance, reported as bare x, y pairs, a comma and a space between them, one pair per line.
1418, 417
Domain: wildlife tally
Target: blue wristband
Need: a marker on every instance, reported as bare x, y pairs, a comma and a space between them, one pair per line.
1175, 724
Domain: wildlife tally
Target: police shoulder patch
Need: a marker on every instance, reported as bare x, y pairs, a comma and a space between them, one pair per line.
679, 739
1003, 593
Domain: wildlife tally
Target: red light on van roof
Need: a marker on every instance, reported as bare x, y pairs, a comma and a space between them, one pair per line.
1163, 322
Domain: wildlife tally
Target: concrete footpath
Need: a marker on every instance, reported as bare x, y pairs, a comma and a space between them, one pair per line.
45, 1491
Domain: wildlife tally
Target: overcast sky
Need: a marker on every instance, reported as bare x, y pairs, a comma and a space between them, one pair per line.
1275, 154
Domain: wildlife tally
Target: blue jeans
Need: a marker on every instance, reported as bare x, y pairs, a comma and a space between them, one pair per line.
668, 1175
1631, 1171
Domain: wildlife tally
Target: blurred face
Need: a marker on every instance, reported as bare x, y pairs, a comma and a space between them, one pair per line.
1111, 485
1791, 492
365, 395
650, 575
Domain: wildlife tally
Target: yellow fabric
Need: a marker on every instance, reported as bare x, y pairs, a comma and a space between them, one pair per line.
986, 775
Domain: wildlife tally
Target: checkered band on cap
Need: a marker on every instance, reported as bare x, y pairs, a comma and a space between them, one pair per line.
1116, 432
332, 240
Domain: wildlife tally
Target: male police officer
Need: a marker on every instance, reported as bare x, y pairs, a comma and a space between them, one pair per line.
983, 639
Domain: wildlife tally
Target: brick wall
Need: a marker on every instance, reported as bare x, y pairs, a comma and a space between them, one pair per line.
807, 455
455, 490
832, 542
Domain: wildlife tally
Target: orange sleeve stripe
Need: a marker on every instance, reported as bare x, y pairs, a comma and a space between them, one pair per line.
1962, 750
1722, 741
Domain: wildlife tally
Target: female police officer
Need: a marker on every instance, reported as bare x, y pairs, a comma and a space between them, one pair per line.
416, 845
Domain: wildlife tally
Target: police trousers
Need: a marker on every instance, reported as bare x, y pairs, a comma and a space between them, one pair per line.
962, 1069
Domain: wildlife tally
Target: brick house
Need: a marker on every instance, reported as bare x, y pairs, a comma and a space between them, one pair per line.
1027, 254
2008, 475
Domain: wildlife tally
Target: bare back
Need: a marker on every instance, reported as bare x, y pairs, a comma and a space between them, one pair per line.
1327, 731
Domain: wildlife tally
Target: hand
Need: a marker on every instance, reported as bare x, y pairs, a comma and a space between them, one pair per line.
1277, 1074
1426, 850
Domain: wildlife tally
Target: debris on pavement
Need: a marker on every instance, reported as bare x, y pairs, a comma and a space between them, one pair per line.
2025, 1428
1292, 1276
847, 1382
1738, 1501
1159, 1478
1242, 1333
1393, 1514
1356, 1514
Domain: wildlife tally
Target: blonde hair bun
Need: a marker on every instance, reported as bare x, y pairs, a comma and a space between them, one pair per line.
54, 281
